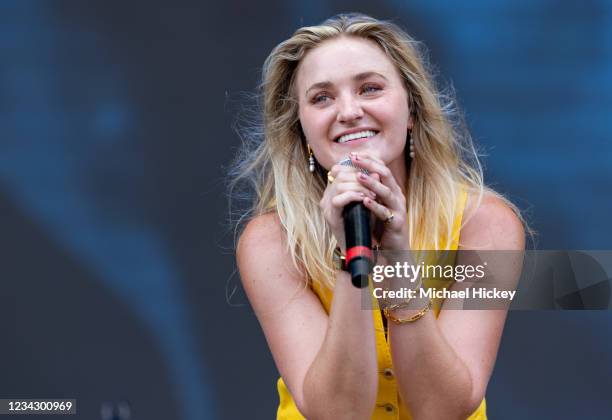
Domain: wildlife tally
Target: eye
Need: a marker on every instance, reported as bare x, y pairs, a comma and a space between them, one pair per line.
370, 88
320, 98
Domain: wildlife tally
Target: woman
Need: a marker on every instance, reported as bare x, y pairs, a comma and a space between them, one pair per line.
356, 86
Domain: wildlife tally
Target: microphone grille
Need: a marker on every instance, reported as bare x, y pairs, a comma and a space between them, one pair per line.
348, 162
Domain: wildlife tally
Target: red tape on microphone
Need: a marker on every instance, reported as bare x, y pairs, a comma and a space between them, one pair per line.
358, 251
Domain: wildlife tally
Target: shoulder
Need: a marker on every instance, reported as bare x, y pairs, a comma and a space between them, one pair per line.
261, 240
261, 230
491, 223
262, 253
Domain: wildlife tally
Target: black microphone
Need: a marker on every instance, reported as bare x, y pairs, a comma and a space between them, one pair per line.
358, 238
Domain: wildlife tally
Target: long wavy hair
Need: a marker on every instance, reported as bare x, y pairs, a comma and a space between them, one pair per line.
274, 156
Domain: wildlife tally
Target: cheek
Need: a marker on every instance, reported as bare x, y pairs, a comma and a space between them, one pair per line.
395, 123
310, 124
315, 126
396, 118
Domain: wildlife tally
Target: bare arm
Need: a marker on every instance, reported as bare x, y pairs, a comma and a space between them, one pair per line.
443, 365
327, 362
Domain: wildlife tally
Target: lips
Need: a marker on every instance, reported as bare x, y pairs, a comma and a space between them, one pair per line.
355, 135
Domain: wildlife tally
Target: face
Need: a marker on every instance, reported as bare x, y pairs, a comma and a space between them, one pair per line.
351, 98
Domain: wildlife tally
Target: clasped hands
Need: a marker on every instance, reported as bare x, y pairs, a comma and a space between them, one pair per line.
378, 190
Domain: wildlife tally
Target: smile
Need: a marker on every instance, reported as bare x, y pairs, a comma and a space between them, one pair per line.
360, 135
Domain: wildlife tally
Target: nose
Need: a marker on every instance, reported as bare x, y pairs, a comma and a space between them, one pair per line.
349, 109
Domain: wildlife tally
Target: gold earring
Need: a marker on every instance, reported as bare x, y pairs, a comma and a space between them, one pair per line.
311, 161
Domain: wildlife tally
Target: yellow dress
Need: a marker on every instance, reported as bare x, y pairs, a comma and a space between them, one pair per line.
388, 403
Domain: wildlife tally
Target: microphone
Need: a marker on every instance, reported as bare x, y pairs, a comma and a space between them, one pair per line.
358, 238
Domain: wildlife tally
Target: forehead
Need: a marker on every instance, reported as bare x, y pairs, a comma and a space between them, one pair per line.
338, 59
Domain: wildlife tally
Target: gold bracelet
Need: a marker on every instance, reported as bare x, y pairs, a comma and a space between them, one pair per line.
394, 306
400, 321
405, 302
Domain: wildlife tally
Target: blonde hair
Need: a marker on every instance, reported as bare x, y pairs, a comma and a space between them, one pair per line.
274, 160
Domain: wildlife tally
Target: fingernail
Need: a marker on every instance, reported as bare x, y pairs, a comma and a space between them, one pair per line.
363, 176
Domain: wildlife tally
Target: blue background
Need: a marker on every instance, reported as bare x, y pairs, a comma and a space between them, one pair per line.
116, 132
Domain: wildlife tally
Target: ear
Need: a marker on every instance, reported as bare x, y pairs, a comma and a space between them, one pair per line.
410, 122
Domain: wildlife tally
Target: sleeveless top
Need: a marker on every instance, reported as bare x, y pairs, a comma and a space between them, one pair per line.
388, 401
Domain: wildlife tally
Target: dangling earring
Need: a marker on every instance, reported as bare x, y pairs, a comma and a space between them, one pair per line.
311, 161
412, 154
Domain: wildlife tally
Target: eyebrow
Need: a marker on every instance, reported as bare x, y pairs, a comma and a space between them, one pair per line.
358, 77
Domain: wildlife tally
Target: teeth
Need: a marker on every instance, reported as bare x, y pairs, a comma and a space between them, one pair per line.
358, 135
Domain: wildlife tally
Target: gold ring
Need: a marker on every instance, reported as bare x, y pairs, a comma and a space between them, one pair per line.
389, 218
330, 178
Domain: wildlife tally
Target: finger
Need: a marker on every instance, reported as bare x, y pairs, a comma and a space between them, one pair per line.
379, 210
337, 169
374, 166
343, 187
344, 180
383, 192
346, 176
370, 156
341, 200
